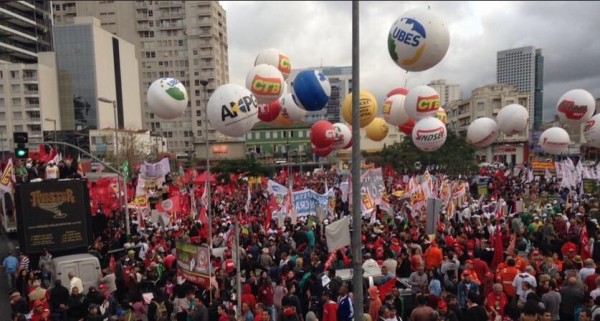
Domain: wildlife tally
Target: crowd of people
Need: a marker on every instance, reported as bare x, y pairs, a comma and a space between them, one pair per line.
535, 260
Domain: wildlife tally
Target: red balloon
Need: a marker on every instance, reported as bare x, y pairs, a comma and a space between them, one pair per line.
408, 127
322, 134
397, 91
323, 151
269, 112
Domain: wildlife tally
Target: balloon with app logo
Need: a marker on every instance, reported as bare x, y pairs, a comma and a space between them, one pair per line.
322, 134
591, 131
167, 98
576, 106
311, 90
429, 134
377, 130
266, 83
397, 91
512, 119
441, 115
232, 110
555, 141
407, 127
393, 110
343, 136
290, 109
367, 108
482, 132
275, 58
418, 40
322, 151
421, 102
269, 112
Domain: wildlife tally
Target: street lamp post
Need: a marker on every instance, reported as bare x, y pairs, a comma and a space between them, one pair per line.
114, 104
54, 122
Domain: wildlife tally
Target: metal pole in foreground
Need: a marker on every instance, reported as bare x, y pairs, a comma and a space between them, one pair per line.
357, 273
238, 274
204, 83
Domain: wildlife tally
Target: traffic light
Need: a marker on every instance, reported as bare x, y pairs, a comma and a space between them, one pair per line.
21, 139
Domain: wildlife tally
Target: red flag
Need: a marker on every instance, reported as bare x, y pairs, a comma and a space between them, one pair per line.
498, 249
112, 262
585, 243
386, 288
170, 205
283, 175
273, 206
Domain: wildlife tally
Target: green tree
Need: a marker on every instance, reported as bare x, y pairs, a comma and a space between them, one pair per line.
455, 157
133, 149
248, 166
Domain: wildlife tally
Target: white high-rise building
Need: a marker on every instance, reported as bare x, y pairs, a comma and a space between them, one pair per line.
448, 92
524, 68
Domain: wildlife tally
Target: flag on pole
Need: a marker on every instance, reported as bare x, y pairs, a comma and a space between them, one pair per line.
247, 206
6, 181
80, 166
586, 253
498, 248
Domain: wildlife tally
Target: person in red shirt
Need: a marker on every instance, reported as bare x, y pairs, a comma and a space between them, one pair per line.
506, 276
265, 294
496, 301
433, 257
329, 308
590, 281
480, 267
247, 295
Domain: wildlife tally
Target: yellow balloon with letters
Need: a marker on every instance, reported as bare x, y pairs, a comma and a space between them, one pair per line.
367, 108
377, 130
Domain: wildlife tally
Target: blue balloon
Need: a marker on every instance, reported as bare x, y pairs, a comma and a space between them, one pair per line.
311, 90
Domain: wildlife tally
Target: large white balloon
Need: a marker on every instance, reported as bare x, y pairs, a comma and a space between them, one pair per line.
266, 83
512, 119
393, 110
343, 136
290, 110
232, 110
482, 132
591, 131
167, 98
421, 102
418, 40
576, 106
429, 134
555, 140
275, 58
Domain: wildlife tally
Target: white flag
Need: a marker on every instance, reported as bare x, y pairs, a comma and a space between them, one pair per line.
338, 234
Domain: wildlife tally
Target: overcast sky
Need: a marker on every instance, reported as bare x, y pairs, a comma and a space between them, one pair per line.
320, 33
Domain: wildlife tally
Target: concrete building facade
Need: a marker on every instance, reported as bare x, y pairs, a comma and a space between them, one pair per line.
448, 92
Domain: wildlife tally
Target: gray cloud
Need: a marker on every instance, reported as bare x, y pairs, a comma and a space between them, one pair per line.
320, 33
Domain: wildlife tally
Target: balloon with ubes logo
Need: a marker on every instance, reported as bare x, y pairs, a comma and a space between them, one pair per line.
377, 130
367, 108
266, 83
429, 134
290, 109
322, 134
393, 110
167, 98
482, 132
555, 141
407, 127
275, 58
269, 112
343, 136
512, 119
441, 115
591, 131
576, 106
421, 102
418, 40
311, 90
397, 91
322, 151
232, 110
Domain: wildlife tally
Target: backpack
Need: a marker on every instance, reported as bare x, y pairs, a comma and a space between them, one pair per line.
161, 311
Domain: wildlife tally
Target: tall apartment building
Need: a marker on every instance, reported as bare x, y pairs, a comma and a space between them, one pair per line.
448, 92
186, 40
25, 30
524, 68
487, 101
340, 79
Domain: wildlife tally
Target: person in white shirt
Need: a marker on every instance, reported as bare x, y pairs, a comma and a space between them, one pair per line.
75, 282
596, 292
527, 276
370, 266
587, 269
52, 171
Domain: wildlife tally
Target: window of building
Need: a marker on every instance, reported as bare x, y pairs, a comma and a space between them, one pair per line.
36, 128
17, 115
268, 135
199, 133
275, 135
249, 136
300, 134
16, 102
18, 128
2, 115
256, 135
198, 123
1, 102
198, 113
14, 74
15, 88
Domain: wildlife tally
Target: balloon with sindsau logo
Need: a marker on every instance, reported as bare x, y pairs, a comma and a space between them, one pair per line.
429, 134
422, 102
232, 110
418, 40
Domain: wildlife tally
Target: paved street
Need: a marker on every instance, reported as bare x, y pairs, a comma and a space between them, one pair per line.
6, 244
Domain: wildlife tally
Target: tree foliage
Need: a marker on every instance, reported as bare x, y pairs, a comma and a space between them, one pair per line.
455, 157
247, 166
132, 149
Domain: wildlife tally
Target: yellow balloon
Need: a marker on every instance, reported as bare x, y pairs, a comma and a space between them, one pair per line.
377, 130
367, 108
281, 121
441, 115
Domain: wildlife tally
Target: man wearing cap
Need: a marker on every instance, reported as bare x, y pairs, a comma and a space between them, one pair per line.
18, 303
37, 314
465, 287
445, 313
